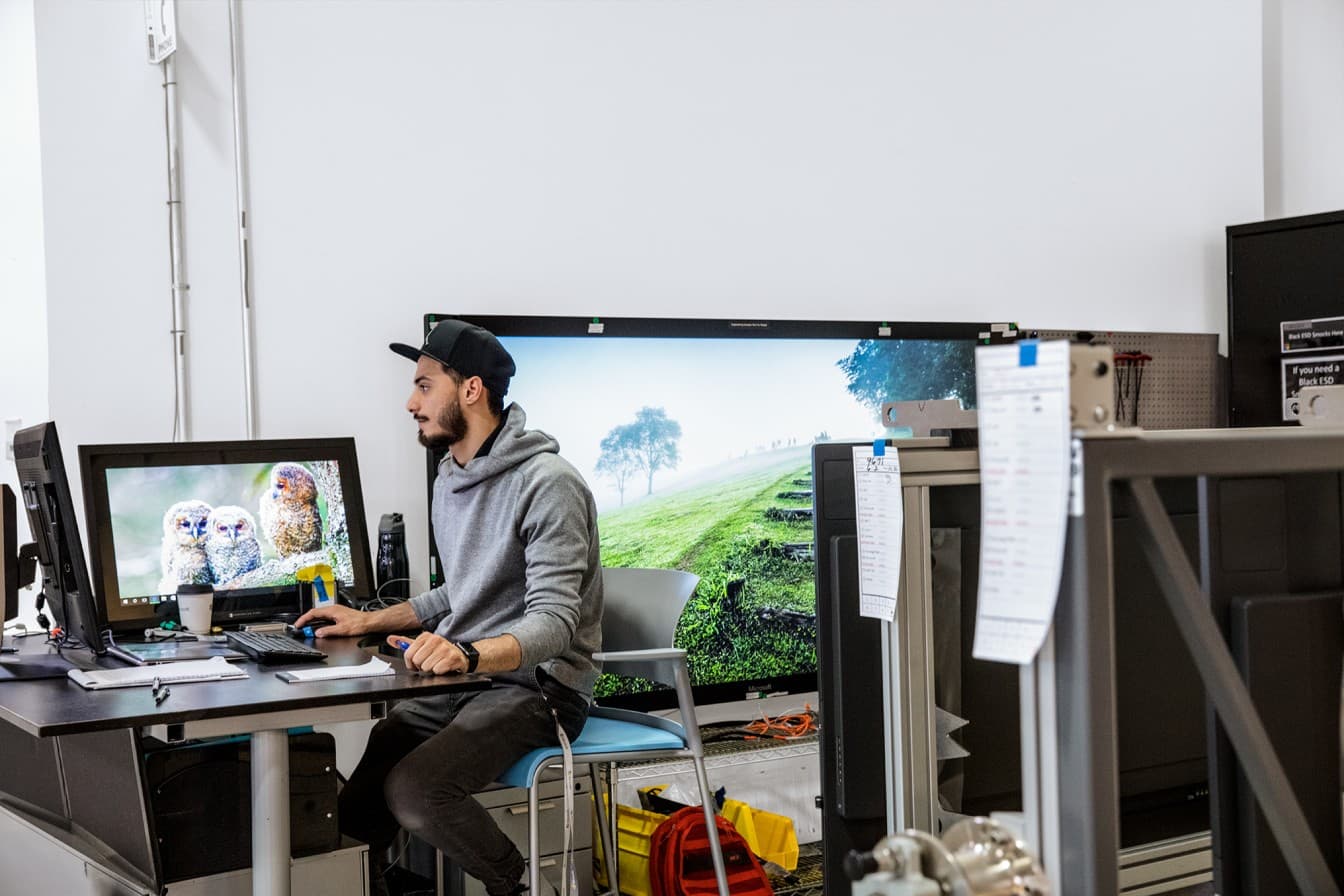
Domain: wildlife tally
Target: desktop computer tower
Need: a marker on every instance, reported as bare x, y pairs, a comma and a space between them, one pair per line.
1282, 644
201, 805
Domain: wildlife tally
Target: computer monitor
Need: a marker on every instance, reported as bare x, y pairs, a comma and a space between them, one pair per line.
67, 594
245, 517
694, 436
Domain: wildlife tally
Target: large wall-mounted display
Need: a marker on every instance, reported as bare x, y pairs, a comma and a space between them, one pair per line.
695, 437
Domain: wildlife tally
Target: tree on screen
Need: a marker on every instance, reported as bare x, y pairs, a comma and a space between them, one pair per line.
882, 370
618, 460
651, 440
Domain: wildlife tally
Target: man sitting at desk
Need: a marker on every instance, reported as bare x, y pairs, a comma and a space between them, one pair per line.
516, 529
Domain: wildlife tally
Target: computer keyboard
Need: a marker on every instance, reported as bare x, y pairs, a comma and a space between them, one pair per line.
268, 647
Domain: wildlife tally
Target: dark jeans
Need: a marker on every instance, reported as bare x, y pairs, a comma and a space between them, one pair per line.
426, 759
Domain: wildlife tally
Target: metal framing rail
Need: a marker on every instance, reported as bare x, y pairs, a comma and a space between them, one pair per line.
1080, 673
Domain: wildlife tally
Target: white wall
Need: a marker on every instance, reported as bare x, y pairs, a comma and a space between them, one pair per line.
1047, 162
23, 312
1304, 115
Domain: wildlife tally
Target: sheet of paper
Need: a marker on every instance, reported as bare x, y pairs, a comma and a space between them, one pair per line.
1022, 396
374, 666
880, 519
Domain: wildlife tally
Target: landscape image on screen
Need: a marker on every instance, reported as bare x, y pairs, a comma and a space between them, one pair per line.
232, 526
698, 452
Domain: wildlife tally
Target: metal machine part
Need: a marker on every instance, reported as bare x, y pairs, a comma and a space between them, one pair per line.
976, 857
1091, 387
1321, 406
926, 416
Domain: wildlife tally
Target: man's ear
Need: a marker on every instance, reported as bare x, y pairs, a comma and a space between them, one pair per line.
475, 389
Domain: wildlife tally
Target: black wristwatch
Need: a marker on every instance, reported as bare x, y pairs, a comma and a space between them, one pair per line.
471, 653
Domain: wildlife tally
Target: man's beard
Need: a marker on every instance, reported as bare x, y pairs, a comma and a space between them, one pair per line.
453, 425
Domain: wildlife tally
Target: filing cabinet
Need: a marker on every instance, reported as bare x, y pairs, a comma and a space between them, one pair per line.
508, 807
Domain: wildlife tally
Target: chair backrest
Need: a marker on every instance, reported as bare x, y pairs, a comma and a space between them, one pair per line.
641, 608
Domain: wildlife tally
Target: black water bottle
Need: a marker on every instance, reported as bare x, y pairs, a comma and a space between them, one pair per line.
393, 569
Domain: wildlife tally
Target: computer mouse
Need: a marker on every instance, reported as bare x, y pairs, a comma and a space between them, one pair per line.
309, 631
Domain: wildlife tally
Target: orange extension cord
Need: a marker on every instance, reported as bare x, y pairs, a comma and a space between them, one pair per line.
786, 727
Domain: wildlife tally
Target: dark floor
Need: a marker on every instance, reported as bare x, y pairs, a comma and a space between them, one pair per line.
805, 880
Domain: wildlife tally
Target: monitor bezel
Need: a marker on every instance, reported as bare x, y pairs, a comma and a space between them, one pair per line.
231, 607
516, 325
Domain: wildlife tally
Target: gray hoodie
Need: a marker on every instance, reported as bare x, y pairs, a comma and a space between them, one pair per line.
517, 535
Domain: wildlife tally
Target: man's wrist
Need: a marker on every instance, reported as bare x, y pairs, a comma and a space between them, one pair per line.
400, 617
470, 652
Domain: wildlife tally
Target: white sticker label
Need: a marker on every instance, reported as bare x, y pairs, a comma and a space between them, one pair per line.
1311, 335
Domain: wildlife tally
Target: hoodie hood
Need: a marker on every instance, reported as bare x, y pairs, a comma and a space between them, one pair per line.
514, 445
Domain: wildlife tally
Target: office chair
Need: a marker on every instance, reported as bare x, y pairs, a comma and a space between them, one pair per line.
640, 612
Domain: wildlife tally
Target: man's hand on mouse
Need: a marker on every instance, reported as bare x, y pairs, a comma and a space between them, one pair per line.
340, 621
428, 652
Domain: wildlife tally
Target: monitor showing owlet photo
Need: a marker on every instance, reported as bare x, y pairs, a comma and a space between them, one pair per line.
249, 518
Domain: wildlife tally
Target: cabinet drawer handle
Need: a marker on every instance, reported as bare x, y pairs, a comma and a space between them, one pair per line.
522, 810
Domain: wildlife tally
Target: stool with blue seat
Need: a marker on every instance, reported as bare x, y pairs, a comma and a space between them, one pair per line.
641, 608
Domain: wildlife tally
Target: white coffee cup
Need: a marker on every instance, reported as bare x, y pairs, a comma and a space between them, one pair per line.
195, 605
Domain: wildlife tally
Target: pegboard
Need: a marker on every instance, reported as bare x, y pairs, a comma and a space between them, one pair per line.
1181, 385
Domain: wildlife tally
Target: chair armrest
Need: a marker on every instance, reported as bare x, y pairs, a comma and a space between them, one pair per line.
652, 654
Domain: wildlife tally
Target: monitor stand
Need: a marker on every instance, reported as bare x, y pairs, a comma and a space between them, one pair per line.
31, 668
16, 667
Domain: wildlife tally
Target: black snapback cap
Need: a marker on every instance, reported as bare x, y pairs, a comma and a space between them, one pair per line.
468, 349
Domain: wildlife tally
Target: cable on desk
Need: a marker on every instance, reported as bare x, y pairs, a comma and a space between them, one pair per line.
62, 640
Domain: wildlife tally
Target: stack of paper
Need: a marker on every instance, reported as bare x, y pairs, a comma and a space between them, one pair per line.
214, 669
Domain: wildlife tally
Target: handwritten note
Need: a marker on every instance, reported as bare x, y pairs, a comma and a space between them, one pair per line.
881, 519
1022, 396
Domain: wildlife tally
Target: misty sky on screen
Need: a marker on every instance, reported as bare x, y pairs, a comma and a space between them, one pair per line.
732, 397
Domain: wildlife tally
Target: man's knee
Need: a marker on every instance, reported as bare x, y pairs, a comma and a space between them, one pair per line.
418, 797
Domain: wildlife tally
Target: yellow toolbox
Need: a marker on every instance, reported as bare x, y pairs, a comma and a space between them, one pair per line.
634, 833
770, 836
